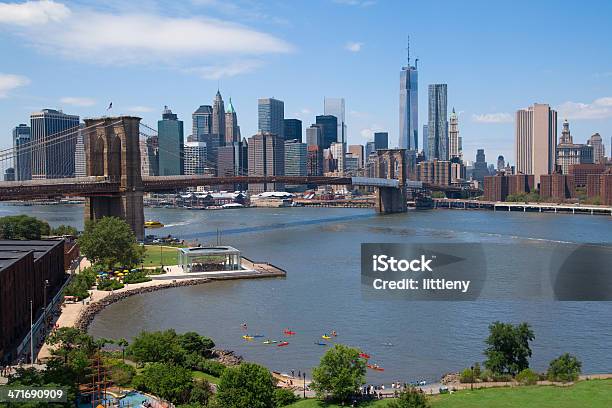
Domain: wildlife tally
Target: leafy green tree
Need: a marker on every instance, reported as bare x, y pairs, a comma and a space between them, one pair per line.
246, 386
284, 397
67, 340
194, 343
62, 230
112, 242
158, 346
508, 349
22, 227
120, 372
565, 368
169, 381
340, 373
81, 283
201, 393
410, 398
123, 343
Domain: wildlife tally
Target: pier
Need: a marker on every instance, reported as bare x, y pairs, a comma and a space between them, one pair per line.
461, 204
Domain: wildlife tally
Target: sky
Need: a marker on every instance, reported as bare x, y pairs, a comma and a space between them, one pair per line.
496, 57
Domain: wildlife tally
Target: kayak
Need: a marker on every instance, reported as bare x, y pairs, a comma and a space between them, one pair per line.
283, 343
364, 355
289, 332
258, 336
270, 342
375, 367
318, 343
246, 337
326, 337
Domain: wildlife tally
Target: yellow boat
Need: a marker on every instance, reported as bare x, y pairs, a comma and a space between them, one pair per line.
326, 337
248, 338
153, 224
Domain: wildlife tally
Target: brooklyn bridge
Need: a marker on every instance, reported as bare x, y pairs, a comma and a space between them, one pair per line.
115, 186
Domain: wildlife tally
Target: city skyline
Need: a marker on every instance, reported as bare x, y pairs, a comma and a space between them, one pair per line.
475, 84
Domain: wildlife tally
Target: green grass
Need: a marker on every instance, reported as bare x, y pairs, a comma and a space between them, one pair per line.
153, 255
591, 394
205, 376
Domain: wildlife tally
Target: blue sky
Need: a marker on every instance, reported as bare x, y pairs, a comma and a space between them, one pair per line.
496, 57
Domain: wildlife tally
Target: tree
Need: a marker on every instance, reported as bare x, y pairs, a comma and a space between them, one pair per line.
22, 227
62, 230
69, 339
110, 241
201, 393
527, 377
340, 373
247, 385
508, 348
158, 346
564, 368
169, 381
410, 398
194, 343
123, 343
284, 397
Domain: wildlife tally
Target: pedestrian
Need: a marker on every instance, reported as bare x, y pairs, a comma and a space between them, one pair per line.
293, 373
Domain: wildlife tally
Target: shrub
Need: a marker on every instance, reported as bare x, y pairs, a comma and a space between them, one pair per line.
121, 373
109, 284
564, 368
81, 283
212, 367
410, 398
527, 377
136, 277
284, 397
467, 376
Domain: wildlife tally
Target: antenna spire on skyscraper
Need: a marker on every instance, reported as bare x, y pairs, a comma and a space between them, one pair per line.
408, 50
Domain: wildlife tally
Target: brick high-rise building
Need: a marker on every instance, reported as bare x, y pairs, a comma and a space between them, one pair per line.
556, 186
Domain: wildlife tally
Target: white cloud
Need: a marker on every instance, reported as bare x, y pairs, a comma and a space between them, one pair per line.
121, 38
32, 12
78, 101
140, 109
9, 82
225, 70
493, 118
368, 133
303, 113
600, 108
353, 46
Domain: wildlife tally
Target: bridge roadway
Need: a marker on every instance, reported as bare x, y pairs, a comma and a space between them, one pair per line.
100, 186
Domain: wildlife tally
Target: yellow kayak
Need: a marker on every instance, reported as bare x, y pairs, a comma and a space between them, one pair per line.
326, 337
249, 338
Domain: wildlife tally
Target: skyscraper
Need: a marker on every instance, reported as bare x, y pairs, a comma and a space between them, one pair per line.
170, 141
569, 153
335, 107
233, 161
22, 152
218, 117
202, 123
266, 158
501, 163
232, 130
381, 140
480, 166
425, 140
337, 151
271, 114
195, 158
296, 158
80, 167
409, 106
54, 136
453, 135
599, 150
314, 137
437, 128
329, 129
536, 140
293, 129
357, 151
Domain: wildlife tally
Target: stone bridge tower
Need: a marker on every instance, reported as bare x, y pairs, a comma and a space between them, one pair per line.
391, 165
112, 150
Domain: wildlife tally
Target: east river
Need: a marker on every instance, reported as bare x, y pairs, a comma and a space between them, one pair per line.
320, 250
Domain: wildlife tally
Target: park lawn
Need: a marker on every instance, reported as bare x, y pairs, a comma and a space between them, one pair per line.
153, 255
205, 376
314, 403
592, 394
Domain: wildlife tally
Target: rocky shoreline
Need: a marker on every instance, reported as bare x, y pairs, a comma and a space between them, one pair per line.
89, 313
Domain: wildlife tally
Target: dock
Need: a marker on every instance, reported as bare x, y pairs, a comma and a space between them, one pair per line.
462, 204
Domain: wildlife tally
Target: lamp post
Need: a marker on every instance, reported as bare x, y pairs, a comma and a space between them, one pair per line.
472, 378
46, 285
31, 335
304, 374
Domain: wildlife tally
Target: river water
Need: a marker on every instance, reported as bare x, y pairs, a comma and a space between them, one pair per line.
320, 250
